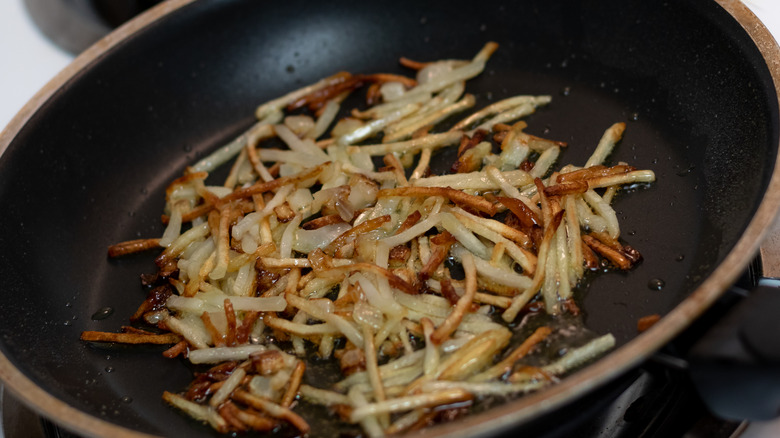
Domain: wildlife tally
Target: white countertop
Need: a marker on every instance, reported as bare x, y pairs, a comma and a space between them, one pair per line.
29, 59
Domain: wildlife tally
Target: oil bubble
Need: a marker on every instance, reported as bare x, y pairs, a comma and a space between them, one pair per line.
656, 284
103, 313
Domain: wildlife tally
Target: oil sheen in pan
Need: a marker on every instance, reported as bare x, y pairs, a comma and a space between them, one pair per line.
675, 130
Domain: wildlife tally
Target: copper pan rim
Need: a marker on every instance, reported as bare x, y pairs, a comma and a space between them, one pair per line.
498, 418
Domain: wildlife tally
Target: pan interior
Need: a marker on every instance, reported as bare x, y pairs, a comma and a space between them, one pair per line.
91, 166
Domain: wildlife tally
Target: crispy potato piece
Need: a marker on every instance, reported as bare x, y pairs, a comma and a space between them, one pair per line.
272, 409
442, 243
458, 197
414, 65
294, 384
526, 216
567, 188
400, 253
373, 94
130, 338
445, 329
216, 337
247, 324
254, 420
644, 323
267, 362
592, 172
248, 192
322, 221
518, 353
284, 213
336, 84
409, 222
179, 349
132, 246
228, 411
467, 142
622, 258
381, 78
365, 227
155, 300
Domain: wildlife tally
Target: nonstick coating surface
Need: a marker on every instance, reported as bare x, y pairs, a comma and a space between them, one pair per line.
90, 167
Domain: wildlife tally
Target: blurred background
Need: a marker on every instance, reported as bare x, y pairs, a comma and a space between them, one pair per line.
38, 38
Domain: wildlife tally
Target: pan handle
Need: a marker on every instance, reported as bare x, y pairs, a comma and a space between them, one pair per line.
735, 366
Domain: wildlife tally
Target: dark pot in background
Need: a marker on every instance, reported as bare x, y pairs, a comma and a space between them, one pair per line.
74, 25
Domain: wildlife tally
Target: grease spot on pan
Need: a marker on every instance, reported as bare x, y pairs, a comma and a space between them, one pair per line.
656, 284
103, 313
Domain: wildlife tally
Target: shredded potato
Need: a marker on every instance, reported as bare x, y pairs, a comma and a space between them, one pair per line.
310, 249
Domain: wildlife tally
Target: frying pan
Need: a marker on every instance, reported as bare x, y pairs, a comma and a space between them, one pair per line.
86, 162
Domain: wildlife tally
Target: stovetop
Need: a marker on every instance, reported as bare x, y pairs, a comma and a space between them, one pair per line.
656, 400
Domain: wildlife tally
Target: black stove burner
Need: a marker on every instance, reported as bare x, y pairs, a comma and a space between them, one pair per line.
656, 400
